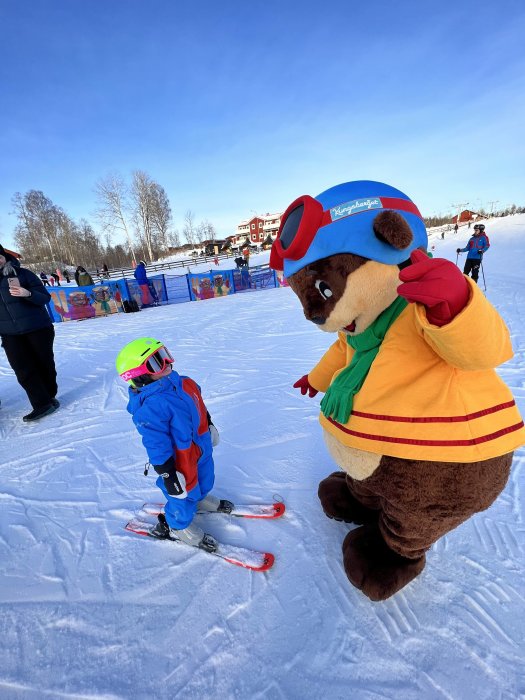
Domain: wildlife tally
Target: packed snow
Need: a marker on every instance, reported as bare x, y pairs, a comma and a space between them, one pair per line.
88, 610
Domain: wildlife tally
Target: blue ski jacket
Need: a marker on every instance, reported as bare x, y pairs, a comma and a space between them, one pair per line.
140, 274
171, 418
476, 246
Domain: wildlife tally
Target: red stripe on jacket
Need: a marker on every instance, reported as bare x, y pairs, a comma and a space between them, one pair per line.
436, 419
430, 443
187, 459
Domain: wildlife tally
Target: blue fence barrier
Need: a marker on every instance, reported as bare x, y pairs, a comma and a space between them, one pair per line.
178, 289
109, 297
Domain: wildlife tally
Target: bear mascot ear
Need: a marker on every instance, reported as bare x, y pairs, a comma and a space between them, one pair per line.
390, 227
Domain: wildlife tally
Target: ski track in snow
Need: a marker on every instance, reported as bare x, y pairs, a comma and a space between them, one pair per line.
89, 611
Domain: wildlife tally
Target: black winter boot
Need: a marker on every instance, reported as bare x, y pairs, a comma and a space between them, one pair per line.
161, 529
38, 413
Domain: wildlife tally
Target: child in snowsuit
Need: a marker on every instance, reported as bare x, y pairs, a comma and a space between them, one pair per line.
477, 245
177, 432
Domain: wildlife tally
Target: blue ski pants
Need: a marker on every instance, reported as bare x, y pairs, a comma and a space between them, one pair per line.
180, 511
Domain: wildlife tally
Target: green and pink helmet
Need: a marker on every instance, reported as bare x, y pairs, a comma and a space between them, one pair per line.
139, 361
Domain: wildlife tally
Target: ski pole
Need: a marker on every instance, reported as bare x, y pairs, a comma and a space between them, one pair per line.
483, 273
457, 256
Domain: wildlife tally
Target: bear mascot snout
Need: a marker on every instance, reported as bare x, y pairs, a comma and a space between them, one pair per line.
413, 413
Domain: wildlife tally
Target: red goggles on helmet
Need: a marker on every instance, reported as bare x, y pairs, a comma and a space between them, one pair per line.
305, 216
154, 364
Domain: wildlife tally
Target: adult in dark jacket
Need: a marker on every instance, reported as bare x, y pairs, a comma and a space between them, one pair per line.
27, 335
82, 277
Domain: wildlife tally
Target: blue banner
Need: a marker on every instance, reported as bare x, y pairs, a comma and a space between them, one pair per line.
150, 294
77, 303
211, 285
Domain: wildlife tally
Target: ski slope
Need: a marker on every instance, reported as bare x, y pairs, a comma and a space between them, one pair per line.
89, 611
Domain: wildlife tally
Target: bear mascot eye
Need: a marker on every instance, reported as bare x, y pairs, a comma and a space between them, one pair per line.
323, 289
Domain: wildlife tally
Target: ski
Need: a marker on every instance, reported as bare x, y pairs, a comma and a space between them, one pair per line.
240, 556
257, 511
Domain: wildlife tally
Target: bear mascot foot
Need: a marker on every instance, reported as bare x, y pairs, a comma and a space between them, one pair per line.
339, 504
373, 567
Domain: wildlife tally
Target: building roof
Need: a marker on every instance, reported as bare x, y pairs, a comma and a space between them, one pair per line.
467, 214
260, 217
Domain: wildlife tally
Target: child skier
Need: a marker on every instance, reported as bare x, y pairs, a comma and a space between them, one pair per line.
177, 432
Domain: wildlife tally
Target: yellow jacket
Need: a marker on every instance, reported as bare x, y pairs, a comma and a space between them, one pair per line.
431, 393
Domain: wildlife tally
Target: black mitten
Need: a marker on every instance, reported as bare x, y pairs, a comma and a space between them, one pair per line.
171, 477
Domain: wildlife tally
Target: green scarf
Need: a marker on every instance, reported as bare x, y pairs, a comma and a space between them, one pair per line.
338, 401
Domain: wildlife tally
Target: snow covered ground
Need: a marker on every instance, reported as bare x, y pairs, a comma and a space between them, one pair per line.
88, 610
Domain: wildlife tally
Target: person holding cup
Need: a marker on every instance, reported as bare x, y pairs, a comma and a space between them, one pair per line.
27, 335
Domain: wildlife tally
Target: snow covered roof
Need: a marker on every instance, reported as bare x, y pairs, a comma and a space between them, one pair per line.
260, 217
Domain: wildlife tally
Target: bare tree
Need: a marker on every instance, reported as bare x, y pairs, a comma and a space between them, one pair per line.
68, 239
36, 230
151, 213
141, 186
206, 231
46, 235
161, 216
174, 238
113, 207
89, 251
189, 230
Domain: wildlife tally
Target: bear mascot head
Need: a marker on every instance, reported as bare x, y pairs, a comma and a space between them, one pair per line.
413, 413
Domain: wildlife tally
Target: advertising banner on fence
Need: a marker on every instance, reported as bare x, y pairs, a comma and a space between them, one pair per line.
76, 303
212, 284
112, 296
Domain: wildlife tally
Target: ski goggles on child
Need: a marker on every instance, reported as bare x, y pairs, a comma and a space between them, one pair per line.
154, 364
305, 216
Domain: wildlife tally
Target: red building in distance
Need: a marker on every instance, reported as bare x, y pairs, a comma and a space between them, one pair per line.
466, 216
258, 231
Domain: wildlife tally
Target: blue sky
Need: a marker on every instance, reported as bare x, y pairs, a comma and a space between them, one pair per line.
237, 107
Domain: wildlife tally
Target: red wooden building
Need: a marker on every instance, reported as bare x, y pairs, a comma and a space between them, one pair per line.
466, 216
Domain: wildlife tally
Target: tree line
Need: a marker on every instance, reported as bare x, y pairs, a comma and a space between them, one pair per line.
137, 214
431, 221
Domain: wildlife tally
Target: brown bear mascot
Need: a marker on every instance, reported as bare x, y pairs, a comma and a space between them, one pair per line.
413, 412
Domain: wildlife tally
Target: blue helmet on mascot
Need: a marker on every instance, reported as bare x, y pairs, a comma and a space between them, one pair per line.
341, 220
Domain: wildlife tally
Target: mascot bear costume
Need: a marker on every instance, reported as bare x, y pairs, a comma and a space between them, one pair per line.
413, 412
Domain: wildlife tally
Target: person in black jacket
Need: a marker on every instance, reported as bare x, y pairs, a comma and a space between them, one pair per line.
27, 335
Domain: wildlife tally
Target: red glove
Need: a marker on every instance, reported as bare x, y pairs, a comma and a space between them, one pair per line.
437, 284
304, 385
